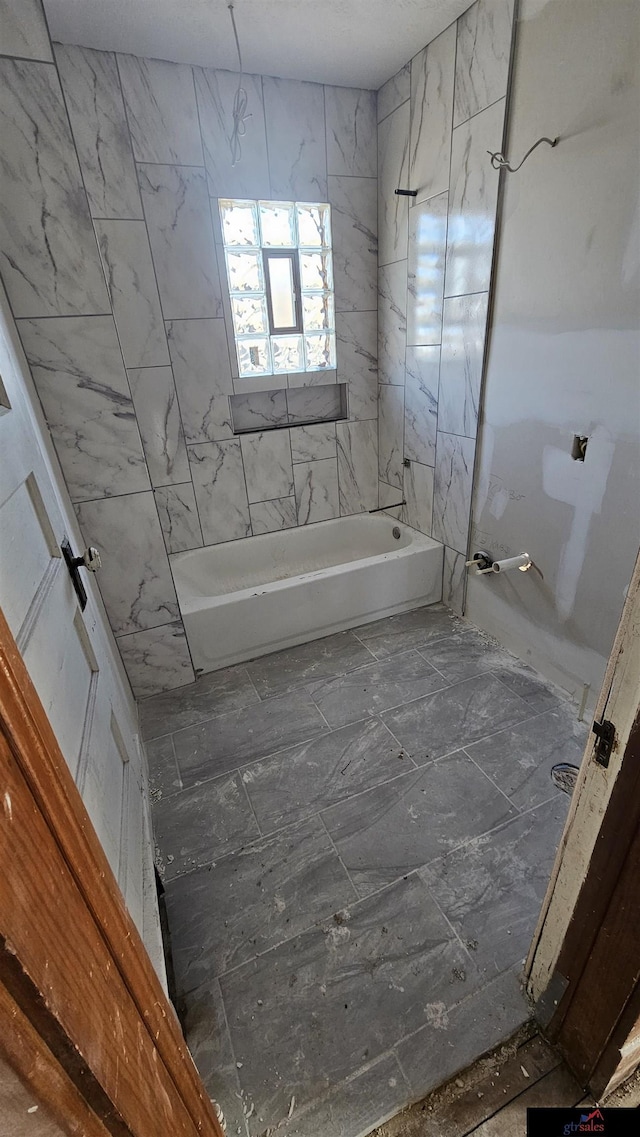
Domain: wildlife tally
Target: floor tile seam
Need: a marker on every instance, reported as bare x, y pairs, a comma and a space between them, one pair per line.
522, 810
250, 803
521, 697
231, 1046
298, 685
430, 640
340, 860
485, 737
363, 666
456, 934
491, 782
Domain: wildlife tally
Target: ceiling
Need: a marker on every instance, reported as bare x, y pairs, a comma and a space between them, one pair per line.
352, 43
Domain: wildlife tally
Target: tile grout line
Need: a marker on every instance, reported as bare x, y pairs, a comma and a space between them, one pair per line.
232, 1049
333, 846
491, 781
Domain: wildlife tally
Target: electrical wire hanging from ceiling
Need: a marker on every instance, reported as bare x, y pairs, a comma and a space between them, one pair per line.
240, 103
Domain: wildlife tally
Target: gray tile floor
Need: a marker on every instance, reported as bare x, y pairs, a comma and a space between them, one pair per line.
355, 837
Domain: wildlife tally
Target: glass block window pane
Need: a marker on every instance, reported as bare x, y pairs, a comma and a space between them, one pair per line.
244, 272
249, 315
254, 355
239, 223
317, 311
313, 226
315, 271
320, 351
277, 220
282, 292
287, 353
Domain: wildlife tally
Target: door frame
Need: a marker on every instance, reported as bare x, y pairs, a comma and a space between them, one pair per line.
85, 1021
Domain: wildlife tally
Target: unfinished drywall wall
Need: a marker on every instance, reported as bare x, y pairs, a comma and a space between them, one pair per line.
564, 354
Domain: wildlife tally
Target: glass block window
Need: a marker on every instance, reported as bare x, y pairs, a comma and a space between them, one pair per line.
280, 276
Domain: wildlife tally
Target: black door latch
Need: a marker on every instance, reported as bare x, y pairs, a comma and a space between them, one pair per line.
605, 733
90, 560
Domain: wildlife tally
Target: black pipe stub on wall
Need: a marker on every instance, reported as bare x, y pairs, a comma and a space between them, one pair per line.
407, 192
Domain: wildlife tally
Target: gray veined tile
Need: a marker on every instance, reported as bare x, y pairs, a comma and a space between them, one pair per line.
395, 91
214, 694
392, 322
473, 197
452, 490
257, 409
217, 473
351, 131
393, 174
176, 207
205, 1029
425, 270
408, 630
179, 517
215, 91
135, 579
354, 210
81, 382
375, 687
161, 110
393, 951
491, 889
418, 495
390, 434
322, 401
124, 247
482, 60
463, 339
156, 659
316, 490
309, 378
531, 687
357, 466
271, 516
367, 1098
466, 654
50, 260
267, 465
196, 826
453, 581
519, 760
313, 442
294, 114
158, 413
422, 370
202, 372
23, 30
93, 95
305, 779
239, 737
394, 829
431, 110
391, 499
357, 347
295, 666
455, 717
228, 913
164, 776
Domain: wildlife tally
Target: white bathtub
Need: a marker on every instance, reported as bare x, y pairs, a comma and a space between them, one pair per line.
247, 598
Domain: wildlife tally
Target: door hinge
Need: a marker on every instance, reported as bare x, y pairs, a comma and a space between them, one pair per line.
605, 733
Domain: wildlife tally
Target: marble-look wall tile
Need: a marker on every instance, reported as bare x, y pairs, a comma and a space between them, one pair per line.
158, 413
93, 96
357, 466
316, 488
161, 110
294, 114
431, 110
418, 494
357, 349
267, 465
392, 322
124, 247
351, 131
390, 433
307, 404
463, 338
135, 579
482, 61
395, 91
309, 443
270, 516
80, 378
452, 490
157, 660
218, 480
310, 379
421, 404
215, 91
454, 581
48, 251
425, 273
259, 409
179, 517
176, 206
200, 358
354, 211
393, 174
473, 196
387, 497
23, 30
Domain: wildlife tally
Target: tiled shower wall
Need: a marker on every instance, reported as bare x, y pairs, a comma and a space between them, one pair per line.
111, 260
437, 118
